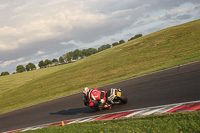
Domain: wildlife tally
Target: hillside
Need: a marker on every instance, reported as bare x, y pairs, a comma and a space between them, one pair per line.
163, 49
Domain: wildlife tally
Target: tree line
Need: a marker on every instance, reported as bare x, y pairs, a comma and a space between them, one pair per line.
68, 57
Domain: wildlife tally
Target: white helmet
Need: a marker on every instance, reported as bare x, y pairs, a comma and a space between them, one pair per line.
86, 90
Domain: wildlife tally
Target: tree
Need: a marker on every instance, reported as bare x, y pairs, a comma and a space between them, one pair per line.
76, 54
84, 53
104, 47
65, 57
4, 73
47, 62
136, 36
30, 67
115, 43
41, 64
55, 62
69, 56
91, 51
81, 54
61, 60
121, 41
20, 69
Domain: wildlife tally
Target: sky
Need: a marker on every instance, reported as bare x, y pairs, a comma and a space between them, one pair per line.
35, 30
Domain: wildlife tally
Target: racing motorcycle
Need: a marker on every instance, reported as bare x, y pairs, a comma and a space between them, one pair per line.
113, 97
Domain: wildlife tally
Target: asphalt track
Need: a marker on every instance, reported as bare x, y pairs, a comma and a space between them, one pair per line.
175, 85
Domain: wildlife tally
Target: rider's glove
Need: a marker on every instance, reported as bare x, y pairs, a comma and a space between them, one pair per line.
95, 102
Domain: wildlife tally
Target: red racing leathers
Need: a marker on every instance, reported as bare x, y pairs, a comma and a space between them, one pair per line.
95, 98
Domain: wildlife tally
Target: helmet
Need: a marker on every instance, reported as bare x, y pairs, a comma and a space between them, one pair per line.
86, 90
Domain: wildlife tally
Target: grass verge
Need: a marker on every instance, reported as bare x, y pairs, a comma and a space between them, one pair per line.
163, 49
167, 123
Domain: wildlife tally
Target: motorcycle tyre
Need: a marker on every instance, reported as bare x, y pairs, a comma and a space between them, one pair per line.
123, 99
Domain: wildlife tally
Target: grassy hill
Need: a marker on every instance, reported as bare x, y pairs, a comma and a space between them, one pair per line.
163, 49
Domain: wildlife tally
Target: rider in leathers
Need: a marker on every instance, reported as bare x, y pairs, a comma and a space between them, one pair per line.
94, 98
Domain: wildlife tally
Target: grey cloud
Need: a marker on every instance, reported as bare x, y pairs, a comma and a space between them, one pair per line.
107, 28
114, 39
169, 4
184, 16
32, 48
168, 16
154, 29
128, 35
197, 8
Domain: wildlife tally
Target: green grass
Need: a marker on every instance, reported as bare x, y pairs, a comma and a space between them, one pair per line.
163, 49
167, 123
15, 80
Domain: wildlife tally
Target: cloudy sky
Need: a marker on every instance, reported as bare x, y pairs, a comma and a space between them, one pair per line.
34, 30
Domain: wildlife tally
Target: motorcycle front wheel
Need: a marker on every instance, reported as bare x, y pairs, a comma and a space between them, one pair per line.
123, 99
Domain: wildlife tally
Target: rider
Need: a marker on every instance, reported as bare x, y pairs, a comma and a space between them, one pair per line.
93, 96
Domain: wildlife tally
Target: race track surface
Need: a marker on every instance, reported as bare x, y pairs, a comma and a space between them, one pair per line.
175, 85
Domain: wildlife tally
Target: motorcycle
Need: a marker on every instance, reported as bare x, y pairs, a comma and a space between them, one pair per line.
113, 97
